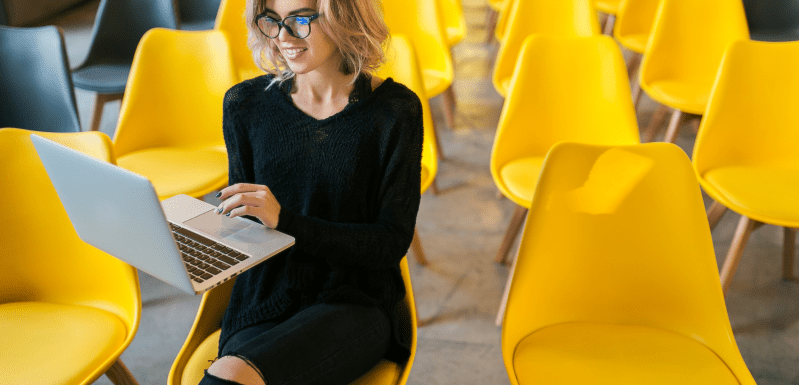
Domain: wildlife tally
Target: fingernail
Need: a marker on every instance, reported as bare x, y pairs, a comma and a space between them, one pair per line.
219, 210
228, 214
219, 194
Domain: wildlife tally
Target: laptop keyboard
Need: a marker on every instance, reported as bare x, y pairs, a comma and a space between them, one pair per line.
204, 257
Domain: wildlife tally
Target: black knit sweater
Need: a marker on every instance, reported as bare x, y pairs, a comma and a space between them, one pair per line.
349, 190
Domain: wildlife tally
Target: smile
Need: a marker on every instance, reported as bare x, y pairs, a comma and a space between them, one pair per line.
292, 53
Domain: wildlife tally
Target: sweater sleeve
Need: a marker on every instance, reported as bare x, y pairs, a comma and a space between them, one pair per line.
240, 162
384, 242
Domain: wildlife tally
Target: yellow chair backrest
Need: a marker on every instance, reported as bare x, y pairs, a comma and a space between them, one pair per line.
43, 259
175, 91
230, 19
688, 45
751, 118
564, 89
451, 15
403, 67
419, 21
619, 236
546, 17
634, 23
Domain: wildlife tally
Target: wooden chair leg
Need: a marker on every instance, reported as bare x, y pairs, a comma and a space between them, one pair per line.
491, 24
439, 149
714, 214
742, 233
504, 302
449, 106
608, 27
119, 374
654, 124
418, 252
788, 245
674, 126
99, 103
632, 66
516, 222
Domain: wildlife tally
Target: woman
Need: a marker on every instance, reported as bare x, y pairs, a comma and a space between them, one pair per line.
322, 151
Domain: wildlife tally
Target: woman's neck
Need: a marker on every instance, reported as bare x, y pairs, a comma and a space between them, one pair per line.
321, 93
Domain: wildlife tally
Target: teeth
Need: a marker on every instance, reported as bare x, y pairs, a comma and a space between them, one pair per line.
293, 52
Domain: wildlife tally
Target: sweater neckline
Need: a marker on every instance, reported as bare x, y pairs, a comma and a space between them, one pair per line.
289, 104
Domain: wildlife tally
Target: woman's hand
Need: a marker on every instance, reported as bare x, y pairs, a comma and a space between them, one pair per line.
249, 199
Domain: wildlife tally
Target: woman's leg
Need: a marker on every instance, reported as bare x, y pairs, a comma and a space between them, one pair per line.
323, 344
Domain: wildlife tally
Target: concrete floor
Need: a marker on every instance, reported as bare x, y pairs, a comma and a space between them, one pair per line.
461, 229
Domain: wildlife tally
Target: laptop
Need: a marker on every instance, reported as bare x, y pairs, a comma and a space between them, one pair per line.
180, 241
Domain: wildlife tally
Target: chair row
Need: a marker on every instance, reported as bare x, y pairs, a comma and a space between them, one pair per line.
743, 154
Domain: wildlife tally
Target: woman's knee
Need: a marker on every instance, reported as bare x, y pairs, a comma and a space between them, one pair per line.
232, 368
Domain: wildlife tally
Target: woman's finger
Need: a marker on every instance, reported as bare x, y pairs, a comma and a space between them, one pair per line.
239, 211
239, 188
241, 199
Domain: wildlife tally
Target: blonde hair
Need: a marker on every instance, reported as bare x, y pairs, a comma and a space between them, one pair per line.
356, 27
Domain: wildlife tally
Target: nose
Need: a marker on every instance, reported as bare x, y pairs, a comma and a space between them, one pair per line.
284, 34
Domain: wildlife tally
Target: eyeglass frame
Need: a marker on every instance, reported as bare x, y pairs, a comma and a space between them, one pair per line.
281, 24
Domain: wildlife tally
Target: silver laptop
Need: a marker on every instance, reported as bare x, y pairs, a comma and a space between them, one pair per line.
180, 241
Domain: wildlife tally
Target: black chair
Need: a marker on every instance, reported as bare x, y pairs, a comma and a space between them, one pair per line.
3, 17
197, 15
118, 27
773, 20
35, 87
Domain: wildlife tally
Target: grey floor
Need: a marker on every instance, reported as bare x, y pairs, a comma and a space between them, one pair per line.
461, 229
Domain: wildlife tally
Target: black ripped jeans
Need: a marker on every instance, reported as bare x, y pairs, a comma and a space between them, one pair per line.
321, 344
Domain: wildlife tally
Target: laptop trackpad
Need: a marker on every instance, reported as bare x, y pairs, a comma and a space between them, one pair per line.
216, 225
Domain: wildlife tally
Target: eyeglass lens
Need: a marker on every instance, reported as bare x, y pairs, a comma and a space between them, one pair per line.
297, 26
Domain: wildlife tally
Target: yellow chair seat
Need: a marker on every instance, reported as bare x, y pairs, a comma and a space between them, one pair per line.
177, 170
635, 42
607, 6
764, 194
435, 82
385, 372
426, 179
47, 343
201, 359
687, 96
582, 353
520, 177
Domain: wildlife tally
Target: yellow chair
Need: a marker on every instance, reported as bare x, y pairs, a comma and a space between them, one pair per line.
451, 14
632, 29
419, 20
170, 122
634, 23
67, 309
230, 19
403, 67
546, 17
745, 155
684, 52
616, 281
564, 89
202, 344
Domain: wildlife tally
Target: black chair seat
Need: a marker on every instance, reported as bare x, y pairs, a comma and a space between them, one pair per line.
772, 35
102, 78
199, 25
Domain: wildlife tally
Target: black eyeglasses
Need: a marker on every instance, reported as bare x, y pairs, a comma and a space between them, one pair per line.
297, 26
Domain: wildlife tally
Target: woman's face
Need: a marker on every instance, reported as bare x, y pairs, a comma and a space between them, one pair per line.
316, 52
